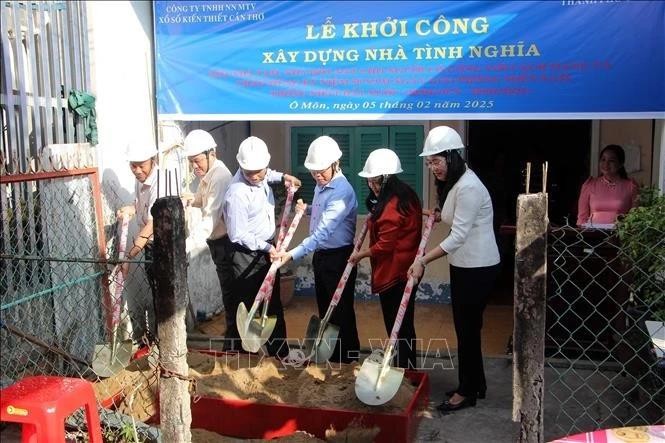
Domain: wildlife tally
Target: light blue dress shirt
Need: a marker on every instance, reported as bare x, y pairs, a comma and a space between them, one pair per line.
333, 219
249, 211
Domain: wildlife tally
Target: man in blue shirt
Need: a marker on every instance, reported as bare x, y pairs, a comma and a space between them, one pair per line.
331, 230
249, 213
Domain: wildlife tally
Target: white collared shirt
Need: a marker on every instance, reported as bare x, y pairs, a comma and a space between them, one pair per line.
146, 195
210, 198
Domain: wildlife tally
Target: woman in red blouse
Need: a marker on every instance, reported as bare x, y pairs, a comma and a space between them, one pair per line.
611, 194
394, 228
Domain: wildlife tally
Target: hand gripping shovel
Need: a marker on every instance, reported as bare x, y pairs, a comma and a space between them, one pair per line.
377, 382
110, 359
254, 332
321, 336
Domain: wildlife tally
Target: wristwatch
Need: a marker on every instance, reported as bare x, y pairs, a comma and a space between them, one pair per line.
422, 262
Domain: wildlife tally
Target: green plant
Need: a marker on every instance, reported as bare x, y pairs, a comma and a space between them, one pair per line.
642, 246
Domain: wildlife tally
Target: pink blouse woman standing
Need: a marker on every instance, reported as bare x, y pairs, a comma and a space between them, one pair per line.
604, 198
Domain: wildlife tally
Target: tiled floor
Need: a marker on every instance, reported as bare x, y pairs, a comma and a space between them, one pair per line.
433, 321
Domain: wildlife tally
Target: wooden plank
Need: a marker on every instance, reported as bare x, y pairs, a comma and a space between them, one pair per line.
45, 65
54, 62
73, 50
8, 94
63, 26
83, 30
45, 175
31, 52
23, 146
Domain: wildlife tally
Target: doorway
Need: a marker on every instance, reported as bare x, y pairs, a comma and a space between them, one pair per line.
499, 151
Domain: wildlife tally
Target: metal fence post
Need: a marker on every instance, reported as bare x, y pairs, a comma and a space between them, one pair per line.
530, 308
170, 267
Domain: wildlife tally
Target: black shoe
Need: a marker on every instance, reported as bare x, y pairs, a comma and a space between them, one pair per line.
480, 395
447, 407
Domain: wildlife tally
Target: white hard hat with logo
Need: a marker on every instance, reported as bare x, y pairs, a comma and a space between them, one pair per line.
198, 141
323, 152
253, 154
139, 152
440, 139
381, 161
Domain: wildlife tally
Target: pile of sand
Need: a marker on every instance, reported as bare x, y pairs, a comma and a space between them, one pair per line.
250, 377
266, 380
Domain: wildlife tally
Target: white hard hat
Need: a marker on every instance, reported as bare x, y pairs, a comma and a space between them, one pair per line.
139, 152
381, 161
440, 139
322, 153
253, 154
198, 141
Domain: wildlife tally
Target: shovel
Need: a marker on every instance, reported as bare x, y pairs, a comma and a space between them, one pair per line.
321, 336
112, 358
254, 332
377, 382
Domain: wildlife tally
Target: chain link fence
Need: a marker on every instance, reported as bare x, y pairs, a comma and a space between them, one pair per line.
605, 337
64, 311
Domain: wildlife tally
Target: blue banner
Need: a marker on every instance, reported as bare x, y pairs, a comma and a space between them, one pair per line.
409, 60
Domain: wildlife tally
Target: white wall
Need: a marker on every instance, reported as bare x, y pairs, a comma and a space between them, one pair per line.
120, 40
120, 36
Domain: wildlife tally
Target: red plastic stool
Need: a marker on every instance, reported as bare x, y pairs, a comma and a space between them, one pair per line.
42, 404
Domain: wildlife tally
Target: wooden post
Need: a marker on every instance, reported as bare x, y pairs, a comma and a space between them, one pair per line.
529, 312
170, 268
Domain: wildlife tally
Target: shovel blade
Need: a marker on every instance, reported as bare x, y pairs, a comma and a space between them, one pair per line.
258, 335
109, 361
322, 351
252, 334
242, 320
374, 388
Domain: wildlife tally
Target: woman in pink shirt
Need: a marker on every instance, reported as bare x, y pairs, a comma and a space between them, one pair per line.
611, 194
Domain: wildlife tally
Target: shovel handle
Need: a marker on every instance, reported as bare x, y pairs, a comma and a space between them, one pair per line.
265, 291
284, 222
337, 295
411, 283
114, 304
124, 229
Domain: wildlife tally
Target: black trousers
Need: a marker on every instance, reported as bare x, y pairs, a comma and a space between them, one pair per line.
328, 266
390, 299
469, 289
224, 269
241, 273
148, 256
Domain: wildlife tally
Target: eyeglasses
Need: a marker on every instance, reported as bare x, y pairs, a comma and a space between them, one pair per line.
321, 172
374, 180
435, 163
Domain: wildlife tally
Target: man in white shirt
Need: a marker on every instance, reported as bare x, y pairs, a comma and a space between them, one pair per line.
209, 197
249, 213
143, 164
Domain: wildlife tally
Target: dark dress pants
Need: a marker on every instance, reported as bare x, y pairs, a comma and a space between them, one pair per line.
390, 299
469, 289
241, 273
328, 266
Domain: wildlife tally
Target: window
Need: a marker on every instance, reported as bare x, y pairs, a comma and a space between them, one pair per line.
356, 143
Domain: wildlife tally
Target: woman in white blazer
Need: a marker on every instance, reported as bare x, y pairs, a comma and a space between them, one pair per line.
472, 254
